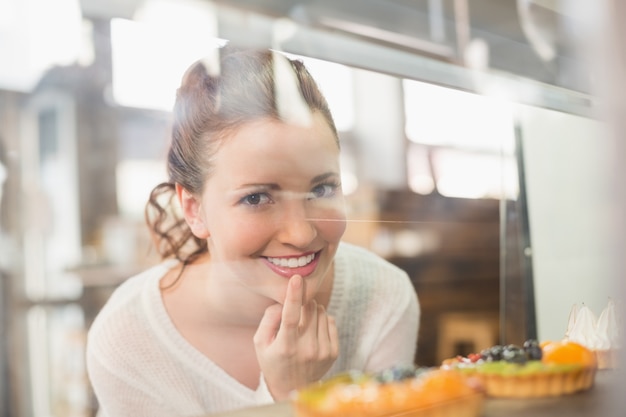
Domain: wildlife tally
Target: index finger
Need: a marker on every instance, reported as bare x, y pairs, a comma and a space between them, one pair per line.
292, 307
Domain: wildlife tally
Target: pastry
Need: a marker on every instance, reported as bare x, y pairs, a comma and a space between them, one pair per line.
408, 392
533, 370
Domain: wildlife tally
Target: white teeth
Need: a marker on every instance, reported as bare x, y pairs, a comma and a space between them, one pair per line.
292, 262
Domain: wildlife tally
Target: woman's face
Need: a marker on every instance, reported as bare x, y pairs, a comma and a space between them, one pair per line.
273, 206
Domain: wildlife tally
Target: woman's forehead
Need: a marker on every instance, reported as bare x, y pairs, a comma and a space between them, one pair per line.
274, 136
270, 148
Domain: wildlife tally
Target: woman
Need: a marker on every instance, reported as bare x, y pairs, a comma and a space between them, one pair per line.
256, 296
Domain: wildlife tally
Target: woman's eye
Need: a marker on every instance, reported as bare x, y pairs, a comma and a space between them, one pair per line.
323, 190
255, 199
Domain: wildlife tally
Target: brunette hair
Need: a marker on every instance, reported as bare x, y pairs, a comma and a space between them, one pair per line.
210, 104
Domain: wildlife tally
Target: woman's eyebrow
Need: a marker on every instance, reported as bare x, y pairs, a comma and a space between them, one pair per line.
275, 186
265, 186
322, 177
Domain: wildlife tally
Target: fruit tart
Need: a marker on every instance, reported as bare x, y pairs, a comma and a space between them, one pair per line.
400, 391
530, 371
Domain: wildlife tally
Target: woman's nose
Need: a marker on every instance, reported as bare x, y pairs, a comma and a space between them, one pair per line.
296, 227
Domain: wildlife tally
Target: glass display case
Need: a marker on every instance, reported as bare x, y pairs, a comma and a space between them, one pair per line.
476, 157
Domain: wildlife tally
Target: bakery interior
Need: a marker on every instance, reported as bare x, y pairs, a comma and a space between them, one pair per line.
481, 143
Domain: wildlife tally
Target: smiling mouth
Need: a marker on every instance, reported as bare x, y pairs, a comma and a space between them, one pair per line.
292, 262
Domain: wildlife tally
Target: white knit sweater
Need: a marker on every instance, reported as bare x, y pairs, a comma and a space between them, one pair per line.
140, 366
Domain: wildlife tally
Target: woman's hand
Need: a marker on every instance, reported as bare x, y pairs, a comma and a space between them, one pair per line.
295, 344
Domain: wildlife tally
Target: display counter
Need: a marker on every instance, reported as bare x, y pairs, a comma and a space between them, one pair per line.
596, 402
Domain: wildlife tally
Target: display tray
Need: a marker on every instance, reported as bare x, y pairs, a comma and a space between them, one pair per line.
601, 400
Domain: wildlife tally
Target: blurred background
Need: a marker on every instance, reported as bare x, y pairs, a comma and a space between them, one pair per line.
479, 155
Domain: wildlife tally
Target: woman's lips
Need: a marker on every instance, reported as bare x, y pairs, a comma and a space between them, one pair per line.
287, 267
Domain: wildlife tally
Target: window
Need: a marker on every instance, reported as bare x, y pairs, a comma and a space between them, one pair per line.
461, 144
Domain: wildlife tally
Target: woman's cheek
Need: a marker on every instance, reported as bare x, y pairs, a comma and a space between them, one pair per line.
242, 237
334, 224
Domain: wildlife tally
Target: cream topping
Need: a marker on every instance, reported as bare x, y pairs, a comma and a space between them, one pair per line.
607, 325
584, 330
571, 321
594, 333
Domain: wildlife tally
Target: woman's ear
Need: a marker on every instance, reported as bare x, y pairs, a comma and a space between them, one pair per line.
192, 212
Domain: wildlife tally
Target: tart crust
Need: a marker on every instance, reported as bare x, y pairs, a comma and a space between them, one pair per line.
537, 385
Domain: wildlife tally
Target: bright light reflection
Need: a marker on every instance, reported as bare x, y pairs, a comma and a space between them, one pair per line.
446, 117
335, 82
134, 180
471, 175
151, 53
420, 177
471, 139
36, 35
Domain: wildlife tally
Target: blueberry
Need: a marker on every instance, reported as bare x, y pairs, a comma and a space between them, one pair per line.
396, 373
514, 354
530, 343
496, 352
532, 349
534, 353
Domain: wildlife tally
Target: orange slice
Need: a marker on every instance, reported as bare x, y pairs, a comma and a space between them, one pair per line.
567, 352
